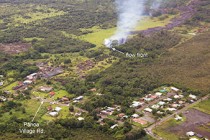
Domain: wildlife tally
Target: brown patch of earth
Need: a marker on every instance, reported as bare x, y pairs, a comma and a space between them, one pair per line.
195, 121
14, 48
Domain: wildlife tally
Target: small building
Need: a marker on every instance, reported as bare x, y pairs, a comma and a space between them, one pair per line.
78, 114
199, 136
135, 116
93, 89
193, 139
181, 102
49, 108
193, 97
52, 93
113, 126
153, 97
121, 115
110, 109
31, 76
190, 133
81, 118
104, 112
178, 118
53, 114
1, 83
136, 104
158, 94
168, 99
27, 82
171, 109
175, 105
148, 110
174, 89
155, 106
78, 98
148, 99
176, 96
64, 99
58, 109
45, 88
3, 99
161, 103
160, 113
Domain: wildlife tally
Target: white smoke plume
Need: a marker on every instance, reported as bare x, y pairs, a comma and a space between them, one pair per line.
129, 14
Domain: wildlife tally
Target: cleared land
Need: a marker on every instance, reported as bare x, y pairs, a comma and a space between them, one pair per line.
14, 48
194, 120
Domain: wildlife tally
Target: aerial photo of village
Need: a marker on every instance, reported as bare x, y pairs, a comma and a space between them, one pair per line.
104, 70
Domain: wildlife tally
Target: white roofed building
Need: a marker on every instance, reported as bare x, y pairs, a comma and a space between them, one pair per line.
174, 89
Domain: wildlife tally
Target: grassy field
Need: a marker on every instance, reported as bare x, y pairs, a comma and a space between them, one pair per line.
162, 130
148, 22
98, 35
10, 86
42, 12
204, 106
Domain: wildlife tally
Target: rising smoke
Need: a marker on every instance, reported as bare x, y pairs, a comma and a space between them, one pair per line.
129, 14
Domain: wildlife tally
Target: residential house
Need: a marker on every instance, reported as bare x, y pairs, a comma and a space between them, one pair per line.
1, 83
155, 106
27, 82
81, 118
158, 94
178, 118
45, 88
58, 109
161, 103
78, 98
136, 104
148, 110
31, 76
52, 93
3, 99
190, 133
135, 116
53, 114
171, 109
174, 89
193, 97
113, 126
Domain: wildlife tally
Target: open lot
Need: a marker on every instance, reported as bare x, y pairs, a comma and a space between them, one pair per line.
14, 48
195, 119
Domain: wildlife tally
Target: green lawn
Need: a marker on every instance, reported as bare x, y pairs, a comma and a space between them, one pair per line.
147, 22
10, 86
204, 106
98, 35
162, 130
38, 15
61, 93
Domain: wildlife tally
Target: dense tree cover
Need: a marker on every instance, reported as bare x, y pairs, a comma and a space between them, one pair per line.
7, 106
203, 14
74, 86
154, 43
22, 70
57, 43
126, 78
68, 128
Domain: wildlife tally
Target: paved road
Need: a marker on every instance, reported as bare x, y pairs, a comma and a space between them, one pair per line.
150, 128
